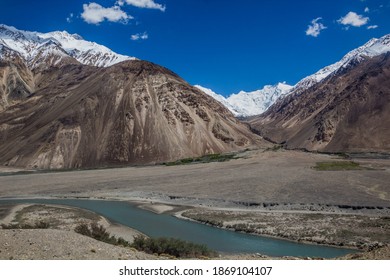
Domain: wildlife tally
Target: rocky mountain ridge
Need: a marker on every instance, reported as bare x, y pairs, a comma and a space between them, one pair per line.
52, 48
248, 104
372, 48
345, 112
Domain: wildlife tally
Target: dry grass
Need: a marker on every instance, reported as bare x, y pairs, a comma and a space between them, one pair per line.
56, 217
337, 166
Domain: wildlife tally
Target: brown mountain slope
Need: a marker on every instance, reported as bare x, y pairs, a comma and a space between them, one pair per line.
18, 81
132, 112
348, 112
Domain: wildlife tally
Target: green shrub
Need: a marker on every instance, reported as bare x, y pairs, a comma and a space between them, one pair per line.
98, 232
160, 246
83, 229
204, 159
274, 148
171, 246
37, 225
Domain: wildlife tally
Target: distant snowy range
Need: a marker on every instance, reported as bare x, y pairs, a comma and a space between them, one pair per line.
54, 48
246, 104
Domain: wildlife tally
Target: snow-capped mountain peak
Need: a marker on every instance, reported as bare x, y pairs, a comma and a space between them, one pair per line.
245, 104
372, 48
59, 43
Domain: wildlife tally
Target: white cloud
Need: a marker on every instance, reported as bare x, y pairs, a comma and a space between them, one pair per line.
372, 27
70, 18
367, 10
353, 19
94, 14
149, 4
139, 36
315, 28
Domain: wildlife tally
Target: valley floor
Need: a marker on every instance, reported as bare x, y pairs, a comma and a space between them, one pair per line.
276, 193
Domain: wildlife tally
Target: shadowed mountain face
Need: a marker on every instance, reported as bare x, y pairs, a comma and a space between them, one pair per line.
18, 80
132, 112
347, 112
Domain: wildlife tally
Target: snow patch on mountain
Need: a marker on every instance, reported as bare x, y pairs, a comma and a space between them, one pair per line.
245, 104
29, 45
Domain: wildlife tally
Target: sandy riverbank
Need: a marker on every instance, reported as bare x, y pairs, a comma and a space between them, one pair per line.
59, 241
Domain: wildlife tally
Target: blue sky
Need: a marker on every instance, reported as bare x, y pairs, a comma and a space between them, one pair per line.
225, 45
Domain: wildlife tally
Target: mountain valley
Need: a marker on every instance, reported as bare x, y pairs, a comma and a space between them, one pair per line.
309, 163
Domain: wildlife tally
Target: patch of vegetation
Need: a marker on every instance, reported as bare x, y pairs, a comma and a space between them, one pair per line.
203, 159
98, 232
171, 246
37, 225
160, 246
274, 148
337, 166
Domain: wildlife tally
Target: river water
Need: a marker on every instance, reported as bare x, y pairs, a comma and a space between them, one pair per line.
164, 225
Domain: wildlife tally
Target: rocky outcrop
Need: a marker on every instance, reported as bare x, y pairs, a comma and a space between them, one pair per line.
16, 82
